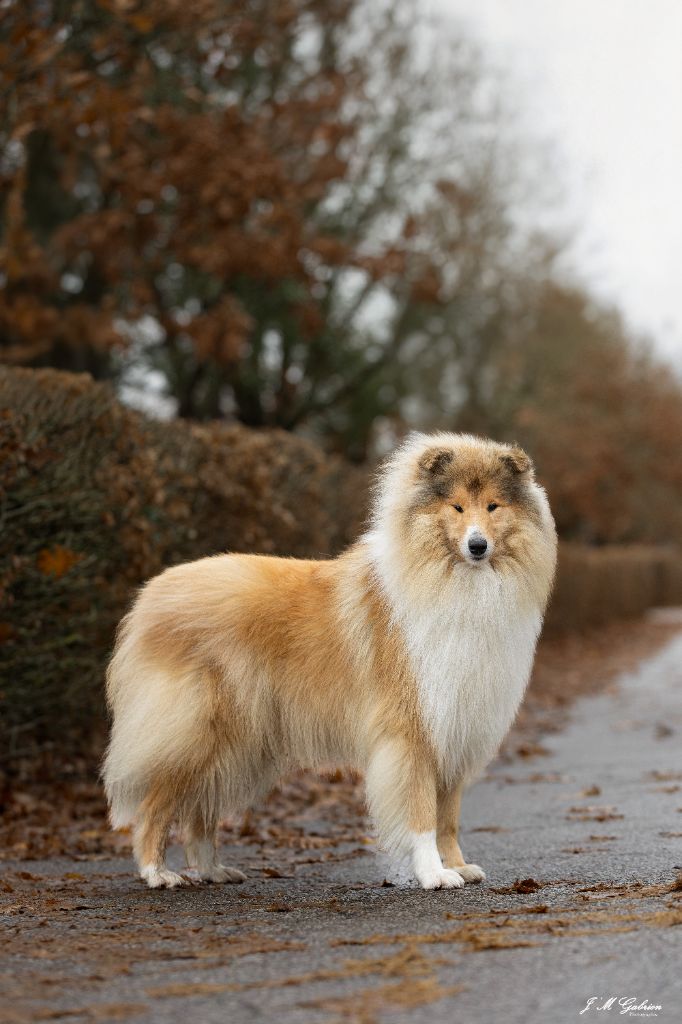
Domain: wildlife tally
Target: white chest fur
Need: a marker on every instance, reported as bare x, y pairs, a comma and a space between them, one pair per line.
472, 662
472, 651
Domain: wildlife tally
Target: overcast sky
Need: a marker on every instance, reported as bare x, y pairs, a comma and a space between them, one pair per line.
603, 79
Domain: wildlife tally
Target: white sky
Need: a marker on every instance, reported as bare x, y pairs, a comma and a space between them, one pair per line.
603, 80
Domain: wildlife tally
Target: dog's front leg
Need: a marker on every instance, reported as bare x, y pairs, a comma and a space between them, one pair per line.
402, 797
449, 805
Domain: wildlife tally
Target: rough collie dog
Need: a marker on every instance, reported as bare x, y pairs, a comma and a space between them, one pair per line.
407, 657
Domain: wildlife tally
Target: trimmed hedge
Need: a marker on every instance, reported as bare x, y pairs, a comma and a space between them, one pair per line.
597, 585
96, 498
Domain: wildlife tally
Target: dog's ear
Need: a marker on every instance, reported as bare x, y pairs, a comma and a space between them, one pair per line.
434, 462
517, 460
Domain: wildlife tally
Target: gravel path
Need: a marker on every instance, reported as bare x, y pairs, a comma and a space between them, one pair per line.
582, 846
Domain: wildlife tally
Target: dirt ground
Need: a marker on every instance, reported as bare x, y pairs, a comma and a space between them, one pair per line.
578, 824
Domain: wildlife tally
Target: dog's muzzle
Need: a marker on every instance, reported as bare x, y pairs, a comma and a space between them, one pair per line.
478, 546
475, 547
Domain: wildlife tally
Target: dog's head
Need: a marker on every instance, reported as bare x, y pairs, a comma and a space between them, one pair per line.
463, 499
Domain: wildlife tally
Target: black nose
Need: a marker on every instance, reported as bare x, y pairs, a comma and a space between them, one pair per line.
477, 546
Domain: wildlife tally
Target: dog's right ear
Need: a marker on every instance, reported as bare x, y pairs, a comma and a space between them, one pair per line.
434, 463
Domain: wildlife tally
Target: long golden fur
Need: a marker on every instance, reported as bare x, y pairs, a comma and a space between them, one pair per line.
406, 656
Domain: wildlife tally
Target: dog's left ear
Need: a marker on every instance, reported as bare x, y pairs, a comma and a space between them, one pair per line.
517, 460
435, 461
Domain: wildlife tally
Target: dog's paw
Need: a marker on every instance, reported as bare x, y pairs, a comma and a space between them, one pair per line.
440, 878
221, 873
214, 873
162, 878
471, 873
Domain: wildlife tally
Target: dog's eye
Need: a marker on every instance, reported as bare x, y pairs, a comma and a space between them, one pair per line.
458, 508
492, 506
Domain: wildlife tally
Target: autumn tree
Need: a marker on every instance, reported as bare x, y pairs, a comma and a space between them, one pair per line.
603, 417
228, 193
158, 163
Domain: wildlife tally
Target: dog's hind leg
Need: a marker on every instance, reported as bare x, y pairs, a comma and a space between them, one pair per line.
201, 848
151, 836
449, 805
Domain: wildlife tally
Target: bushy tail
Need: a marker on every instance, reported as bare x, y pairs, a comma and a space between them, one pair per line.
124, 802
147, 729
123, 780
157, 727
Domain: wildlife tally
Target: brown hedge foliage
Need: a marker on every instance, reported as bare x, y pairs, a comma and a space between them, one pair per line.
598, 585
95, 498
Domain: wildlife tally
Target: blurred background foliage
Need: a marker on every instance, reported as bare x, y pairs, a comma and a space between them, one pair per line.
318, 216
314, 216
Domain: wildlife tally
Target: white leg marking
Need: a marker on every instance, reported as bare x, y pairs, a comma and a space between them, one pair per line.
158, 876
427, 865
202, 855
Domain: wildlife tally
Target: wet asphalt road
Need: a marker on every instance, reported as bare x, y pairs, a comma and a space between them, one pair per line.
596, 823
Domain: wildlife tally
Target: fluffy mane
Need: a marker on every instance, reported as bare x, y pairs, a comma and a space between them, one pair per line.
470, 633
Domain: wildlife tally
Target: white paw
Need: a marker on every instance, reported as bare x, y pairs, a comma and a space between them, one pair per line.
471, 872
220, 873
215, 873
161, 878
440, 878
